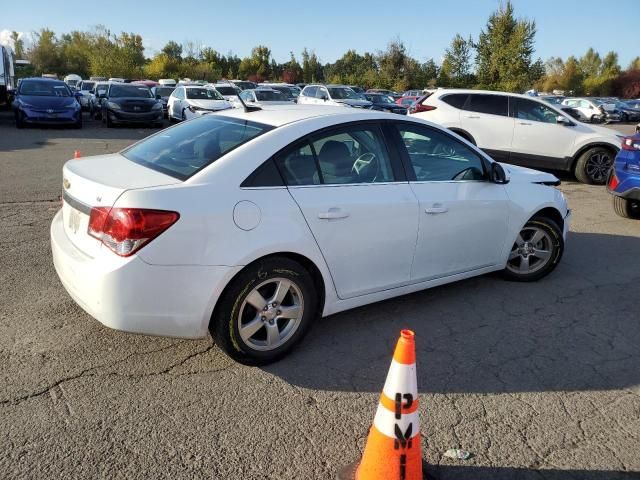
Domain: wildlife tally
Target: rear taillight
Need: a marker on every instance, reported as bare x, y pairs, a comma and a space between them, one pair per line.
613, 182
418, 108
127, 230
630, 143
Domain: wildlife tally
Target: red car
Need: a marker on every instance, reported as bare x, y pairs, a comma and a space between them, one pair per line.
406, 101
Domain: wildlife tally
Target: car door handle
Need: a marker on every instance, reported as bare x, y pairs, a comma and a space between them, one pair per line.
523, 123
333, 214
472, 116
436, 209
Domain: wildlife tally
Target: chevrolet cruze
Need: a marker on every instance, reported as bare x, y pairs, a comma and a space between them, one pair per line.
251, 224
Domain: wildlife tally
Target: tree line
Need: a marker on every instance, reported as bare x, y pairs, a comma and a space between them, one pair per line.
501, 58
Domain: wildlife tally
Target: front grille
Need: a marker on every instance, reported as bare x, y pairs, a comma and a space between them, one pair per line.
136, 107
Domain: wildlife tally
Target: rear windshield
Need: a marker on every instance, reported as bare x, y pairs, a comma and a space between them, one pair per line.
129, 91
164, 91
187, 148
269, 96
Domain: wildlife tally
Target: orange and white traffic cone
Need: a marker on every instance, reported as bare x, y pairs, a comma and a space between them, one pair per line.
76, 154
393, 450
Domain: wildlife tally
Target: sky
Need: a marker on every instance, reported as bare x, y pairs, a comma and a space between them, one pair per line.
331, 27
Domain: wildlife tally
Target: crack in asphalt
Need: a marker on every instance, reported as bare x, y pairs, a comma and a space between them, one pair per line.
87, 372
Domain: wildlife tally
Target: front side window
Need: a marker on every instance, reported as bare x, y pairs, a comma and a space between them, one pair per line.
310, 91
187, 148
491, 104
534, 111
437, 157
86, 86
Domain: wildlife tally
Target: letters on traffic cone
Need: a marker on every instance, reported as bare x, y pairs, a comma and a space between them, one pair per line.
393, 450
76, 154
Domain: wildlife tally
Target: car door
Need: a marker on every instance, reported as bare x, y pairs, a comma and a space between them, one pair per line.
463, 216
538, 139
359, 207
486, 118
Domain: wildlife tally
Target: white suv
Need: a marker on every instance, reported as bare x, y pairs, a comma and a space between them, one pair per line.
338, 95
524, 131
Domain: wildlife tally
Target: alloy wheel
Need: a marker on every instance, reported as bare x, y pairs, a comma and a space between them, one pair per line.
531, 251
270, 314
598, 166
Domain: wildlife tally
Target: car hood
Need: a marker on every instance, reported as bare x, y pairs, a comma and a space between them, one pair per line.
355, 103
47, 102
210, 104
528, 175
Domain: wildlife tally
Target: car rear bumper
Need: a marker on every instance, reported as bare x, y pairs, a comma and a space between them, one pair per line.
131, 295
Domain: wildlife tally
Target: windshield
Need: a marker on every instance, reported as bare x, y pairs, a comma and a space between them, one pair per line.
340, 93
223, 90
269, 96
164, 91
43, 88
295, 91
122, 91
86, 86
203, 94
187, 148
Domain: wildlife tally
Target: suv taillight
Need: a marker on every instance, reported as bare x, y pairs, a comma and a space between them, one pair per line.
418, 107
630, 143
127, 230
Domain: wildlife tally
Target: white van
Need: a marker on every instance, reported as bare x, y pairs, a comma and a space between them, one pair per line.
73, 80
7, 75
167, 82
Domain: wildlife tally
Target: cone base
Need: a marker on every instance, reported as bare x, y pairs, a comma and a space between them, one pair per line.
348, 472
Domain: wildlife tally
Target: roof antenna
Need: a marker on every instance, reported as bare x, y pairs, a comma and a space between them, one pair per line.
247, 108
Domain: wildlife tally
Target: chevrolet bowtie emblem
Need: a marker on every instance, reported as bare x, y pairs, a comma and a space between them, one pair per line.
66, 184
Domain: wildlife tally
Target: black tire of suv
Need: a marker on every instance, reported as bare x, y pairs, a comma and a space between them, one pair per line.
19, 122
555, 232
626, 208
581, 166
224, 321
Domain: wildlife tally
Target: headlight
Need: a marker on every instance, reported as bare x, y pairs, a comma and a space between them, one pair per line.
157, 106
113, 106
195, 108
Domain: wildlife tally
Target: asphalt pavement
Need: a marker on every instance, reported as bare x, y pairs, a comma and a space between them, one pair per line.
538, 381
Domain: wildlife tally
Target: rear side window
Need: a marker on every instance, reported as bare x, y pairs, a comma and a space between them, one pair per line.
456, 100
187, 148
491, 104
298, 165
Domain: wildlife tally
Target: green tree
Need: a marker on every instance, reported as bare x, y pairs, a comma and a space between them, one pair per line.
456, 66
75, 53
45, 53
504, 52
18, 45
590, 64
173, 50
635, 64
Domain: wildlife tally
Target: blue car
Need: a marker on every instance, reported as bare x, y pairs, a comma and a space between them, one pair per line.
624, 179
46, 101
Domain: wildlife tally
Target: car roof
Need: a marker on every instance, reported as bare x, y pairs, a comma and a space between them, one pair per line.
447, 91
284, 114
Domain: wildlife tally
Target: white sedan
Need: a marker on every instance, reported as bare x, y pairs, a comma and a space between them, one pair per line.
252, 224
187, 102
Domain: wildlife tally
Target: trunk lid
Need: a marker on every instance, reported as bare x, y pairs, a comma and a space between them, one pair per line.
98, 182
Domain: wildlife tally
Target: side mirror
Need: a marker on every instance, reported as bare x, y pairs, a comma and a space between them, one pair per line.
158, 97
562, 120
498, 175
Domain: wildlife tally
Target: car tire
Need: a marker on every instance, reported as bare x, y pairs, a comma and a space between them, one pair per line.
261, 281
183, 118
540, 234
19, 121
593, 166
626, 208
78, 124
108, 121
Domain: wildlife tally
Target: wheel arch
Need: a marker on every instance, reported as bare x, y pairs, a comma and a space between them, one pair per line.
586, 147
464, 134
304, 261
551, 213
